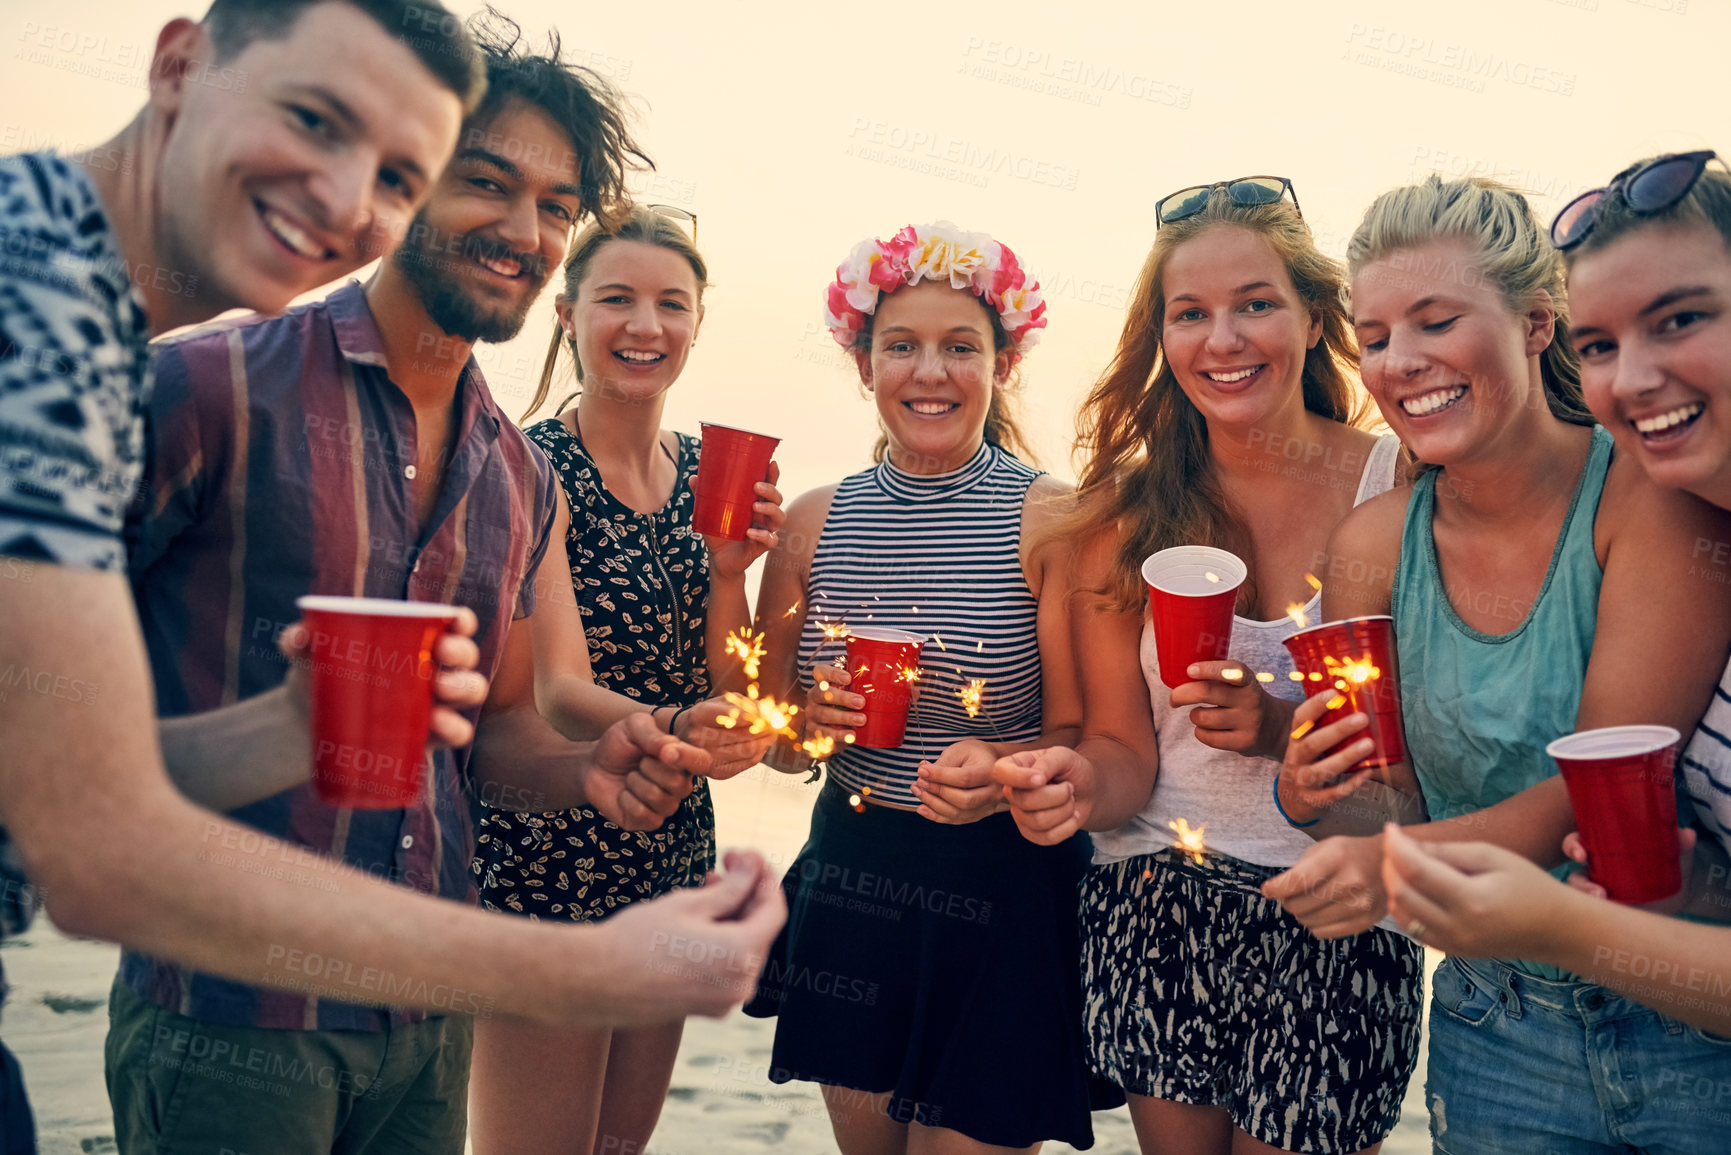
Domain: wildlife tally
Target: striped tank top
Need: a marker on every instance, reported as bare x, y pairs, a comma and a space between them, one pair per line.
938, 555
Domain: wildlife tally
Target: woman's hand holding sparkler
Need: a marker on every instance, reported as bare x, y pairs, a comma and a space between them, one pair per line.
959, 787
732, 749
1472, 898
1232, 711
1311, 778
728, 558
1335, 889
1050, 792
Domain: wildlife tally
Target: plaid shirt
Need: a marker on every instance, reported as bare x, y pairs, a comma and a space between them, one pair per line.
72, 385
278, 457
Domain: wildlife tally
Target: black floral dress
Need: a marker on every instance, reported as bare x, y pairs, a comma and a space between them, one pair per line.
642, 583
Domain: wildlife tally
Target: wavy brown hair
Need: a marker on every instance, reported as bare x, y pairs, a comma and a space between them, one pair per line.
1149, 472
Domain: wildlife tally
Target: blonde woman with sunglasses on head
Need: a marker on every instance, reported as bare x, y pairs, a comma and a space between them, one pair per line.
645, 631
1230, 1028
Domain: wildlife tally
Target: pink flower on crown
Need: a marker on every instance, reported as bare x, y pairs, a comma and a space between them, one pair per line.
938, 252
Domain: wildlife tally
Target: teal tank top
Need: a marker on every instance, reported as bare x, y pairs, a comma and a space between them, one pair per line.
1479, 709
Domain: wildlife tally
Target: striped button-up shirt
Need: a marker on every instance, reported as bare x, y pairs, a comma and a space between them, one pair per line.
280, 457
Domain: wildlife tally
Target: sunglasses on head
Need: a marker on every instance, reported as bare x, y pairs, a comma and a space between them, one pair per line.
1246, 191
674, 212
1652, 188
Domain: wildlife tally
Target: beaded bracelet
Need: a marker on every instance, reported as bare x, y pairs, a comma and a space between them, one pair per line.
1285, 815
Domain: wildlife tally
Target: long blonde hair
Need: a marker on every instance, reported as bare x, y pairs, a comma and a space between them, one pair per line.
1513, 252
640, 224
1149, 470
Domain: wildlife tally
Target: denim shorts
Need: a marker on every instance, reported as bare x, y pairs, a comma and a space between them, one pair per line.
1523, 1064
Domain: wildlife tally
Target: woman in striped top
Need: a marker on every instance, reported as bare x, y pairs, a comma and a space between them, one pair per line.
922, 921
1651, 290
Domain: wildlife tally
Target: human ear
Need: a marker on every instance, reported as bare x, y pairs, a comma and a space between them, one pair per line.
1541, 322
180, 45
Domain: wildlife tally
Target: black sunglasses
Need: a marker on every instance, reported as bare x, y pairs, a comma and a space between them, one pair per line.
1246, 191
1652, 188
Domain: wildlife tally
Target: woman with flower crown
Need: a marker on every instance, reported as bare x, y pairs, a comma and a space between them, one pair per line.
927, 977
1231, 1029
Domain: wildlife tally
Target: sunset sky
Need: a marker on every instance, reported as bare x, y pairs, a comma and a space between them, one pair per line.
795, 130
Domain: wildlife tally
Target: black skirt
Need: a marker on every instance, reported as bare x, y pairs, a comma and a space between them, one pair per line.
940, 964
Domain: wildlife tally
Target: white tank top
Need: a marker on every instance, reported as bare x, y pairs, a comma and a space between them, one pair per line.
1232, 794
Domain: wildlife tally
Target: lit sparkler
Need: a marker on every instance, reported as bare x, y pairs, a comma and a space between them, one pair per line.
759, 715
1190, 839
973, 696
749, 648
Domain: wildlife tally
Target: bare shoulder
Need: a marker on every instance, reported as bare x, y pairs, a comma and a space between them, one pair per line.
1640, 520
1045, 508
1047, 501
1374, 525
805, 517
1363, 553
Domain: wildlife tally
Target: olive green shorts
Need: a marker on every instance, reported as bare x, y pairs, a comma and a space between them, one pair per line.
182, 1086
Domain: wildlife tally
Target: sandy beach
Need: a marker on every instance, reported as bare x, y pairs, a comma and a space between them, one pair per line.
721, 1103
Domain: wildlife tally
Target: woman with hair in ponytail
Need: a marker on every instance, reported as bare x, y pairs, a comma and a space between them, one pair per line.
1228, 417
645, 631
1540, 584
927, 978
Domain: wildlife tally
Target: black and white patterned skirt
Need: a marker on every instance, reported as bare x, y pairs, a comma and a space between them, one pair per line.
1199, 990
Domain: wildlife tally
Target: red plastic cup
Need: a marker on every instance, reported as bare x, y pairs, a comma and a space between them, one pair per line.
1192, 590
372, 696
1621, 786
876, 661
1356, 658
729, 466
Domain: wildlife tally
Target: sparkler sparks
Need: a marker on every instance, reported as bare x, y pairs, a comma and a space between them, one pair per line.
1295, 611
760, 715
1190, 839
1315, 582
833, 631
1211, 576
973, 696
749, 648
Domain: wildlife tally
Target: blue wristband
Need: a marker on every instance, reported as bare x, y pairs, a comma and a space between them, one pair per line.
1284, 814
